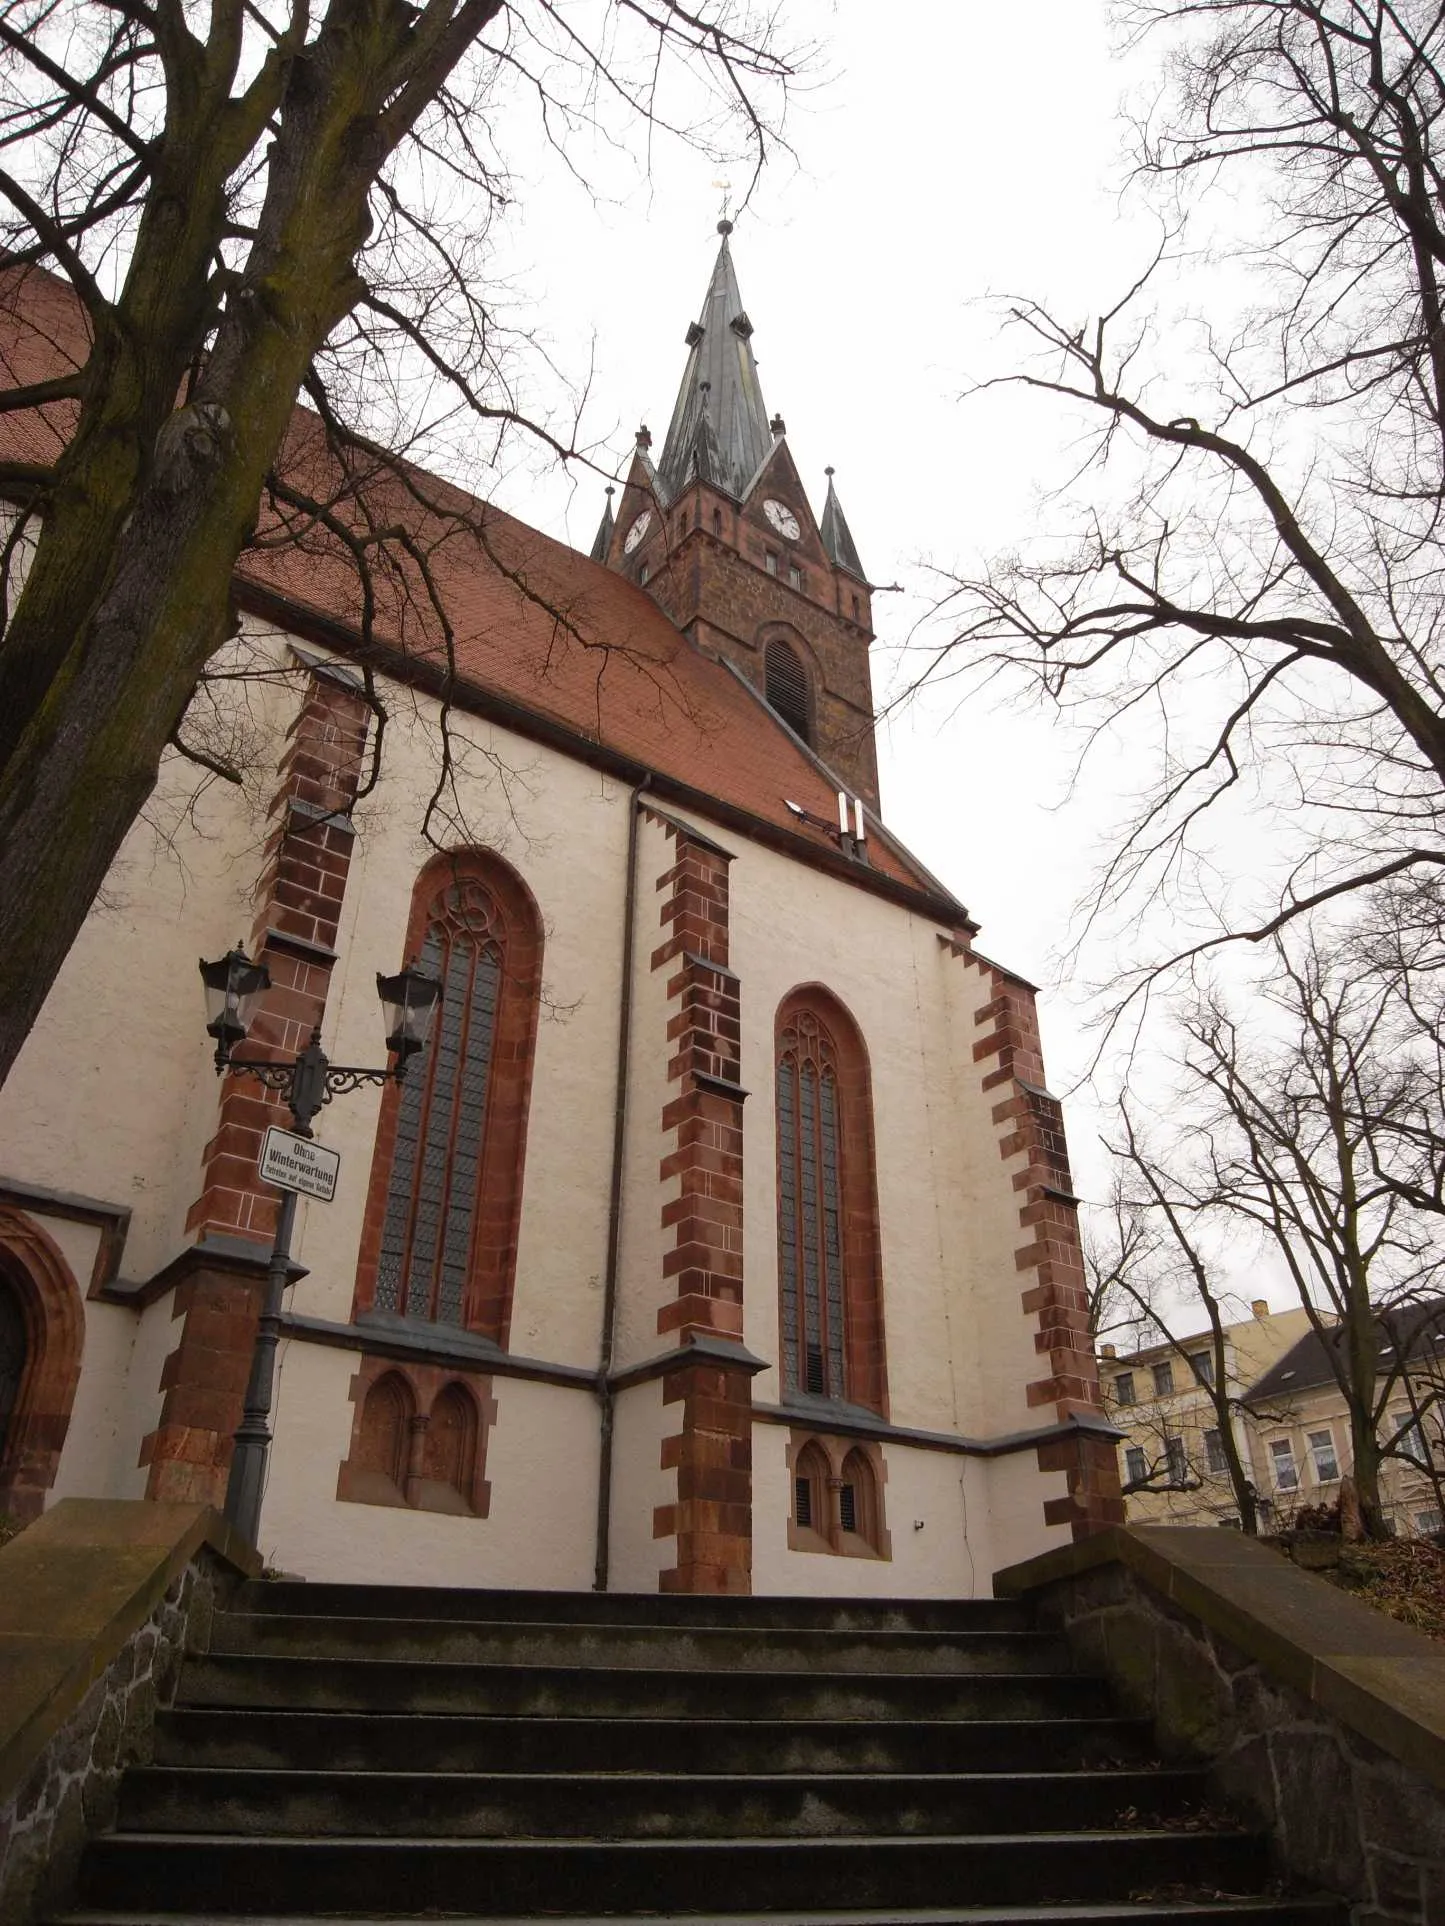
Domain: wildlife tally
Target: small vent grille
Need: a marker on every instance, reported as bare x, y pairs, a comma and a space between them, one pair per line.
817, 1376
803, 1488
848, 1508
786, 687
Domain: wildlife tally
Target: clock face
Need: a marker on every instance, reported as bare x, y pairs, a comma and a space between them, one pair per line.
638, 529
783, 520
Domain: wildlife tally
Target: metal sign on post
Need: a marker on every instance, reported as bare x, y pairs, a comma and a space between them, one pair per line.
296, 1163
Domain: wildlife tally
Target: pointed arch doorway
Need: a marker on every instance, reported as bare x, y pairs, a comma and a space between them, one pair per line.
42, 1333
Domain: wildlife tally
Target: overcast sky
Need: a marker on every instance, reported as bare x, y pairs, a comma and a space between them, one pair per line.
975, 155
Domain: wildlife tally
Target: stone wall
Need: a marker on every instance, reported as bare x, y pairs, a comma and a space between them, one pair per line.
1340, 1753
97, 1612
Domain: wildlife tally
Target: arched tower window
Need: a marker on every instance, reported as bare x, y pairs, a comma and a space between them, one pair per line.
441, 1233
829, 1276
786, 686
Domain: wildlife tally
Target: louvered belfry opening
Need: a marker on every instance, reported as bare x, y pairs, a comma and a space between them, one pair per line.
786, 687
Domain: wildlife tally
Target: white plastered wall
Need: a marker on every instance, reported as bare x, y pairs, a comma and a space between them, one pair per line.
539, 1531
639, 1483
935, 1510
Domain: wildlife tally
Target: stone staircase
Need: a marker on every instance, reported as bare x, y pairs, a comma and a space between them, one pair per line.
392, 1754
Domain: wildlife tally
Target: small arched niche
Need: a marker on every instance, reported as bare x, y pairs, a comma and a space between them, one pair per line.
450, 1457
380, 1457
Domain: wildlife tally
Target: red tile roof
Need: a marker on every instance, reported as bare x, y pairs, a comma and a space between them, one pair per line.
519, 624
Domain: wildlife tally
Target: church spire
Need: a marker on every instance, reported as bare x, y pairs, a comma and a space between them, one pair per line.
602, 540
719, 430
836, 536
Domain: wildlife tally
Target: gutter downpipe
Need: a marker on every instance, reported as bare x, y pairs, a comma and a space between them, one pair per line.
605, 1395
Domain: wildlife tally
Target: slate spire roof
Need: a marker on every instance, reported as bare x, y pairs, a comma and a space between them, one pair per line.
719, 431
837, 537
602, 540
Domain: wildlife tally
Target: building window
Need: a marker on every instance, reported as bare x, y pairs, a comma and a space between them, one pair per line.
770, 561
837, 1498
643, 574
1286, 1477
441, 1235
1427, 1523
786, 687
795, 576
856, 610
1203, 1365
1214, 1452
1175, 1459
1124, 1388
1409, 1440
1164, 1380
829, 1285
1136, 1470
1322, 1450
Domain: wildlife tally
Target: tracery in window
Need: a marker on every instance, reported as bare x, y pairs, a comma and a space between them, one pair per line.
829, 1287
446, 1179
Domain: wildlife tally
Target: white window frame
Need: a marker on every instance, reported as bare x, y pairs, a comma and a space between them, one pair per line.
1323, 1477
1281, 1455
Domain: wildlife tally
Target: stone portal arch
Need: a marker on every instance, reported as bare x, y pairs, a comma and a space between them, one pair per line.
45, 1317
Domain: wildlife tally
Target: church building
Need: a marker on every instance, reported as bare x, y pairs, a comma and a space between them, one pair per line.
721, 1238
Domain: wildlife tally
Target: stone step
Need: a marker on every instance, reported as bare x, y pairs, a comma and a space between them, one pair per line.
437, 1742
611, 1805
289, 1597
410, 1877
1305, 1911
623, 1647
388, 1685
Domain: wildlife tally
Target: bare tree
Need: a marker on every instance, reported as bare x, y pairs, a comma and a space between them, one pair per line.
209, 215
1148, 1269
1255, 563
1288, 1114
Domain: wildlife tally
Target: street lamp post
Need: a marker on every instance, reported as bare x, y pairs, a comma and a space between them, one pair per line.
234, 985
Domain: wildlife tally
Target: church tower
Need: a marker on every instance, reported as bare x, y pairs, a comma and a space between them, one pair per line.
720, 533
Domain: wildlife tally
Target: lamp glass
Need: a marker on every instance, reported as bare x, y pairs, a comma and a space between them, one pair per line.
233, 986
409, 1003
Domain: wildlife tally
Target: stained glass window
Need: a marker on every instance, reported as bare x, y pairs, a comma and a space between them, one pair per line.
425, 1258
810, 1210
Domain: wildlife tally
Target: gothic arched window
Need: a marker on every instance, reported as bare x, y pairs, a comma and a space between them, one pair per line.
829, 1282
441, 1230
785, 684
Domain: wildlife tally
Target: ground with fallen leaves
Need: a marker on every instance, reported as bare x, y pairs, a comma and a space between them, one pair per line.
1404, 1577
